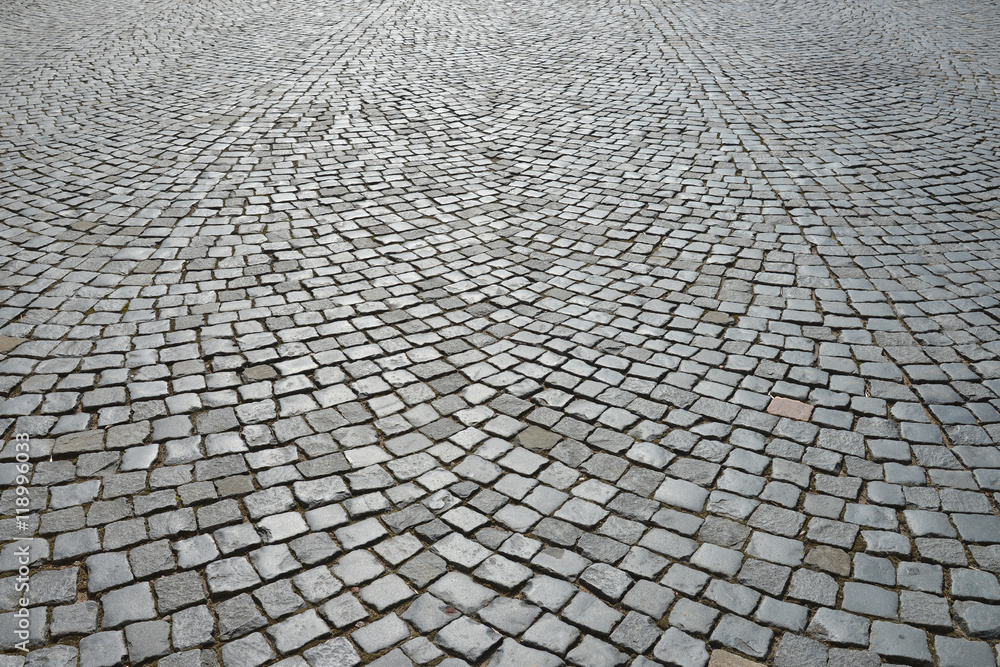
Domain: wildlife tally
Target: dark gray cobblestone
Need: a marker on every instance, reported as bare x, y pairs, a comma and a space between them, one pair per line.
500, 333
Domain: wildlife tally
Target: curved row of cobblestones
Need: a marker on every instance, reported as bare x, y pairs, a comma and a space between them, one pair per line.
501, 333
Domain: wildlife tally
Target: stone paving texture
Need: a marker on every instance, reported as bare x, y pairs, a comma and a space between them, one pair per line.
498, 332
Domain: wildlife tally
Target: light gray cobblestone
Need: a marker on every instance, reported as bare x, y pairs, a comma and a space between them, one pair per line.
500, 333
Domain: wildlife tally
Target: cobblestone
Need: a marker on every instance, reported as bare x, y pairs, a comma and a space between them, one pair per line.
501, 333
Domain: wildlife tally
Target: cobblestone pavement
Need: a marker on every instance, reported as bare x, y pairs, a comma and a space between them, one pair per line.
500, 332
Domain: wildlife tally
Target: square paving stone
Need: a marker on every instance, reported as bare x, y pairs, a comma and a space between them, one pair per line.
637, 632
718, 560
238, 616
928, 524
103, 649
381, 634
324, 518
511, 617
643, 563
875, 570
179, 590
548, 592
978, 528
231, 575
76, 619
605, 549
236, 539
421, 650
274, 560
278, 599
977, 619
607, 581
796, 651
386, 592
784, 615
693, 617
250, 651
146, 640
517, 518
398, 549
464, 519
724, 532
839, 627
590, 613
898, 641
924, 609
814, 587
513, 654
835, 533
682, 494
776, 549
764, 576
921, 576
955, 652
192, 627
343, 611
680, 649
684, 579
127, 605
581, 513
649, 598
943, 551
296, 631
668, 544
314, 548
870, 600
523, 461
357, 567
502, 572
886, 542
55, 586
460, 551
550, 634
560, 562
461, 592
974, 585
467, 638
742, 635
428, 613
336, 652
592, 651
360, 534
195, 551
423, 569
317, 584
107, 570
732, 597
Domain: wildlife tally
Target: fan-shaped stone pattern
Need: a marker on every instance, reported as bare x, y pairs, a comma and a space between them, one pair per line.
501, 333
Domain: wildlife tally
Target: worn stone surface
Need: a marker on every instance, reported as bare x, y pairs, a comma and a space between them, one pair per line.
608, 332
786, 407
